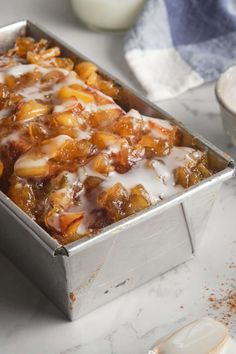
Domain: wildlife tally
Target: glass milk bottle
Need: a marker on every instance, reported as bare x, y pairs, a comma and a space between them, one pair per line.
115, 15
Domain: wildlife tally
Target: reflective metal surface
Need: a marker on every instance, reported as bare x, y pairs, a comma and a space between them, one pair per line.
90, 272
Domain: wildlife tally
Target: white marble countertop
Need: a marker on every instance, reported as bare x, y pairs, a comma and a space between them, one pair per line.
30, 324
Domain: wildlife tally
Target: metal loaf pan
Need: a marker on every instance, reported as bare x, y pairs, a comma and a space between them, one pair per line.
88, 273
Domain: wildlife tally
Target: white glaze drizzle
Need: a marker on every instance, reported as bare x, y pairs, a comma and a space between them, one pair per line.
34, 158
5, 112
156, 175
37, 91
12, 137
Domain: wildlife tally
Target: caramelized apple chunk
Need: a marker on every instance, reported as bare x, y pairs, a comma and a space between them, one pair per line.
32, 109
37, 131
68, 221
40, 53
51, 218
108, 87
89, 73
103, 139
99, 219
52, 77
188, 177
10, 150
101, 163
92, 182
138, 199
35, 162
155, 146
104, 118
25, 80
160, 128
60, 198
42, 56
4, 95
193, 172
45, 54
63, 190
75, 150
38, 169
24, 45
64, 226
85, 69
129, 127
62, 63
70, 92
23, 195
7, 97
114, 200
67, 119
127, 156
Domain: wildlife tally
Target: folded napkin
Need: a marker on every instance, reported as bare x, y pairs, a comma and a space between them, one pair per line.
179, 44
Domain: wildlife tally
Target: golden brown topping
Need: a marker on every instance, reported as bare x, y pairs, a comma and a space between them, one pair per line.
43, 55
70, 157
104, 119
127, 156
108, 88
89, 73
69, 221
23, 196
155, 146
114, 200
29, 171
187, 177
61, 193
101, 164
7, 97
67, 119
72, 92
138, 199
37, 131
62, 63
128, 127
32, 109
92, 182
24, 80
103, 139
85, 69
52, 78
4, 95
36, 161
24, 45
73, 150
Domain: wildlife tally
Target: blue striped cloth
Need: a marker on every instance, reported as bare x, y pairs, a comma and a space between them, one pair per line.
179, 44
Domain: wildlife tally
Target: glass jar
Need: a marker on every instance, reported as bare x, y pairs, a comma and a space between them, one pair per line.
115, 15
